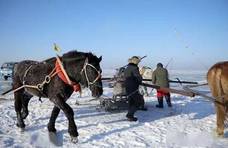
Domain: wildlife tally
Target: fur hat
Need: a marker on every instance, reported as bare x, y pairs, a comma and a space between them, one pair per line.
159, 65
134, 60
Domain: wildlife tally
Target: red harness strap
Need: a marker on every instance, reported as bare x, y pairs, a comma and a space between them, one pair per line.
63, 76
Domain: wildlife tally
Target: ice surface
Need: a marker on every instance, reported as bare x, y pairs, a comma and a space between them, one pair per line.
189, 123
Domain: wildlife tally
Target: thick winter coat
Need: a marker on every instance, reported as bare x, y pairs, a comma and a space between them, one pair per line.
132, 78
160, 77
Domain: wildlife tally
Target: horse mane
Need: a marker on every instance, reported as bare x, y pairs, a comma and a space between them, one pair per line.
50, 60
80, 55
74, 55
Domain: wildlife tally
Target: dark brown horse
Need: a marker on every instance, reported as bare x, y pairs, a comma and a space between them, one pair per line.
81, 68
217, 78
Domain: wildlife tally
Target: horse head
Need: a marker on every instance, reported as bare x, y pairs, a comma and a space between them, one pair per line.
84, 68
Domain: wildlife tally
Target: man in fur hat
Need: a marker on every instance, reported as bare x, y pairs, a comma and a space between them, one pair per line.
132, 81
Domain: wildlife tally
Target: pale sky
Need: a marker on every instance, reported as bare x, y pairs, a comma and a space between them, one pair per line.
193, 33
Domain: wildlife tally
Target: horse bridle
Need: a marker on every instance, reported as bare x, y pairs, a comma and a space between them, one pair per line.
84, 69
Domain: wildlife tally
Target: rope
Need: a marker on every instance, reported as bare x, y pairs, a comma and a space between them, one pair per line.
132, 93
23, 86
187, 88
26, 73
39, 86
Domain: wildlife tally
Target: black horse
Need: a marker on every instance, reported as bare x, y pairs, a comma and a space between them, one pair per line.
42, 79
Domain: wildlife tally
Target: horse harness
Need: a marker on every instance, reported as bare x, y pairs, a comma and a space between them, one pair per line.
61, 72
86, 64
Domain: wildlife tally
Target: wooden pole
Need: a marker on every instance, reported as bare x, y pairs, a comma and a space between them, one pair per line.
173, 81
170, 90
170, 81
198, 93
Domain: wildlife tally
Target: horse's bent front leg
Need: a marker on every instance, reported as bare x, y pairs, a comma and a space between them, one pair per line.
220, 112
18, 106
54, 115
68, 111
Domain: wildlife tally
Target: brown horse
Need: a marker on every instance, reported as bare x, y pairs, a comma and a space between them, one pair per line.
217, 78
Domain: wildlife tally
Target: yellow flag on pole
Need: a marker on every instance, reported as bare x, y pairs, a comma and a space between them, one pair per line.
56, 47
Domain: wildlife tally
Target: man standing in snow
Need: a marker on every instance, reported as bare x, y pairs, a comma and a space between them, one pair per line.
132, 81
160, 77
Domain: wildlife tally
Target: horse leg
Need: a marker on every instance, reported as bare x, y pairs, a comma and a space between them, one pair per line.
69, 113
54, 115
26, 99
18, 96
220, 113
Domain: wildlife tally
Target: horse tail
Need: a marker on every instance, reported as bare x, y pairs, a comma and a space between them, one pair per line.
14, 69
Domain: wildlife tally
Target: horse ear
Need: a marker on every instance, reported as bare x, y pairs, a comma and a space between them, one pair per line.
100, 58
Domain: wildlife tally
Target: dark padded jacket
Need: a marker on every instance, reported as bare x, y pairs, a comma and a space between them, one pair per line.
132, 78
160, 77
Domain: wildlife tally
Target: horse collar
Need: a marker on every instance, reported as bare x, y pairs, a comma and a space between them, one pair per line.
61, 72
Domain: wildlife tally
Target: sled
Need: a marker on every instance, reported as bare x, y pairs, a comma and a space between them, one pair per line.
119, 100
115, 103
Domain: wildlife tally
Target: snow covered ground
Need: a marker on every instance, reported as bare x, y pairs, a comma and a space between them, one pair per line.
189, 123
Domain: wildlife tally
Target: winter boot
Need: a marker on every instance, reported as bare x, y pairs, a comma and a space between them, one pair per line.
168, 100
143, 108
131, 118
160, 102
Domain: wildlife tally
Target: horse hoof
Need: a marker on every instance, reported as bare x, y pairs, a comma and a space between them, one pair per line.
219, 132
21, 129
22, 126
220, 135
74, 139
